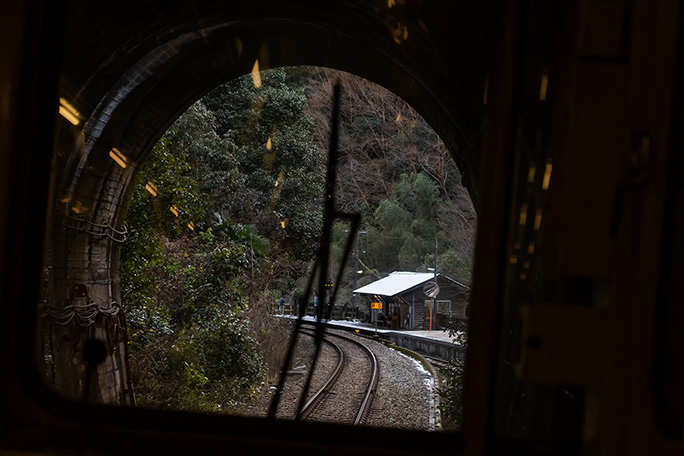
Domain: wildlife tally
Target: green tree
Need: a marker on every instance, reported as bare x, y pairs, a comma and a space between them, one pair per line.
279, 166
405, 228
189, 344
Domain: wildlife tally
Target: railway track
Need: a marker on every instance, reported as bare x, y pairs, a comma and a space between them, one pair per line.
341, 398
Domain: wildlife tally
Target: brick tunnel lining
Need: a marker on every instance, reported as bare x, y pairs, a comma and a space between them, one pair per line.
136, 85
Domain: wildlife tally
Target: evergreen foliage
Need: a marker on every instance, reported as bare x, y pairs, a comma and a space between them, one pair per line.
243, 171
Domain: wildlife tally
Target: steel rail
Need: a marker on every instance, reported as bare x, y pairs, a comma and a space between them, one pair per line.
365, 408
324, 390
366, 403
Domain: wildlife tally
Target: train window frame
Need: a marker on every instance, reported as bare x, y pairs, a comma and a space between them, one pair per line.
61, 422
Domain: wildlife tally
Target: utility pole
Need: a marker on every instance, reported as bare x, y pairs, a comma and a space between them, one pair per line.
355, 304
433, 314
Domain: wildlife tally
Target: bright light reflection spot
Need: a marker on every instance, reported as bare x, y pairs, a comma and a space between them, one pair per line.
530, 174
269, 144
283, 223
547, 176
174, 209
69, 112
191, 226
256, 75
118, 157
150, 187
398, 117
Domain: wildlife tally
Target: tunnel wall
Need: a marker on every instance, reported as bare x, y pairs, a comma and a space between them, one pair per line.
130, 68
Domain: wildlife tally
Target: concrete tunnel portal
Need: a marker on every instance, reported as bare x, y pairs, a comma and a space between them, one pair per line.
128, 71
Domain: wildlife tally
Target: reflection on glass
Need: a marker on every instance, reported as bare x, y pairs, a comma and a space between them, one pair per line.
150, 187
78, 208
547, 175
281, 177
256, 74
544, 86
537, 219
118, 157
523, 214
67, 111
399, 32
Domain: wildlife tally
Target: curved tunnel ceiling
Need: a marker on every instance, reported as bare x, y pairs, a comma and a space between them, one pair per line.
131, 69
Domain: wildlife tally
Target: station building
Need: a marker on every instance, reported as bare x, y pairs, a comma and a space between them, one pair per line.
406, 301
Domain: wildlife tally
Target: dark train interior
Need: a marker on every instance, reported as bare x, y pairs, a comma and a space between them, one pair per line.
565, 120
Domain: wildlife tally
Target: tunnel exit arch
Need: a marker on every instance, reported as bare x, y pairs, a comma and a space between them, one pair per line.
130, 70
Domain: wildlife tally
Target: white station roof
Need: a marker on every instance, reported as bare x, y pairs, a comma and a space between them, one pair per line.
396, 283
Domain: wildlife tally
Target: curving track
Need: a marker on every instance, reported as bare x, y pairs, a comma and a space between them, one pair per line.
347, 394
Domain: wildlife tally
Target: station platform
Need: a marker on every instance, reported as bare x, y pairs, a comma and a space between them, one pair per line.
435, 344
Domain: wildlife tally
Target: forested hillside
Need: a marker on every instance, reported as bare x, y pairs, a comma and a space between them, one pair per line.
226, 212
